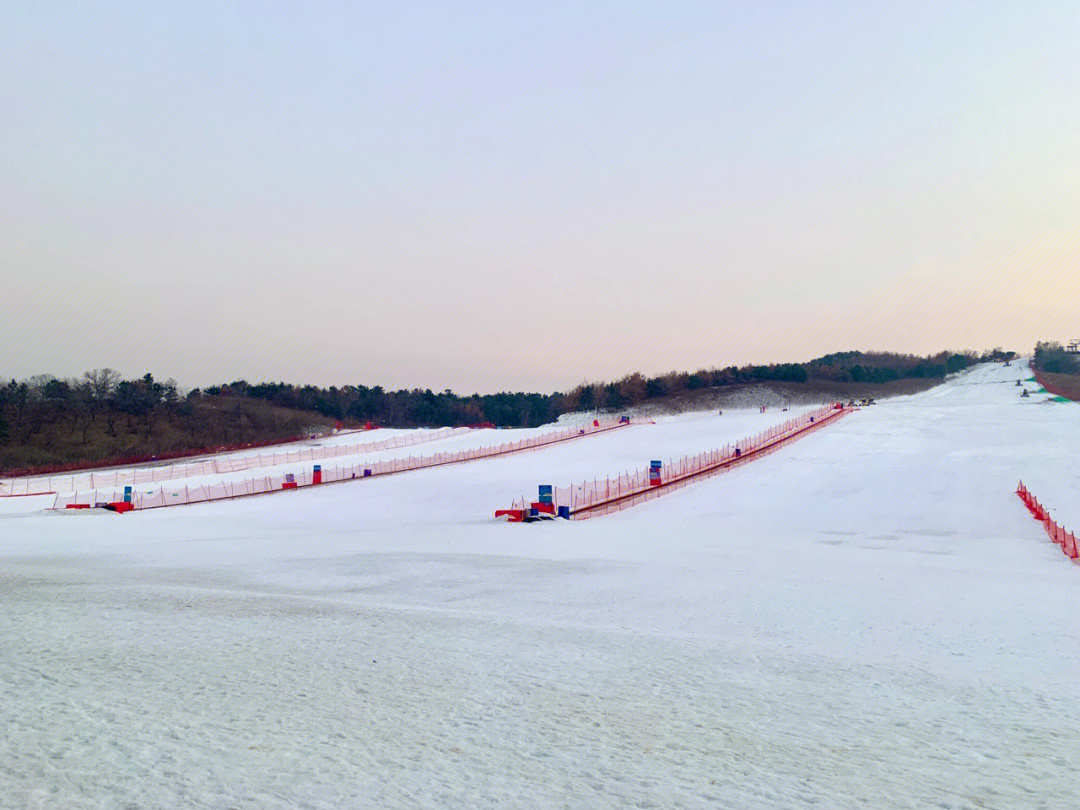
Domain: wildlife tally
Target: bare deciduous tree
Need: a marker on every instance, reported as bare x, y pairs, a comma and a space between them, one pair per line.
102, 381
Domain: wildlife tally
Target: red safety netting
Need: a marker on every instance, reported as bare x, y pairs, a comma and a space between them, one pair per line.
214, 466
1066, 540
601, 497
1050, 387
42, 472
165, 495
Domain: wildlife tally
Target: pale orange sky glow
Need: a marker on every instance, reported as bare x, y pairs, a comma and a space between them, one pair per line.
493, 197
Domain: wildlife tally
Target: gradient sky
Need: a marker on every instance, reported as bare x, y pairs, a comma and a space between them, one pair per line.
504, 196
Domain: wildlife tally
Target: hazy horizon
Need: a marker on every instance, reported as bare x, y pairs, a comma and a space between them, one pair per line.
186, 385
486, 197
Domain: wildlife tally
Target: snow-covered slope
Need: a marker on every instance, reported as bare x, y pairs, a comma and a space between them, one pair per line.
867, 617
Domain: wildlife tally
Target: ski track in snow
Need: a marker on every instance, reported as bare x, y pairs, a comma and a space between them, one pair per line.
866, 618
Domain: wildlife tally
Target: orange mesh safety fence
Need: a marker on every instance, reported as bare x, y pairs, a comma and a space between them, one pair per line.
612, 494
1062, 538
217, 465
179, 494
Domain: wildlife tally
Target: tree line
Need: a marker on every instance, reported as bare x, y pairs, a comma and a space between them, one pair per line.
423, 407
1052, 358
47, 423
47, 420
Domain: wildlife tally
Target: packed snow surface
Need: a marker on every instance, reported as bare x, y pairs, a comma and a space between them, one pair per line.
865, 618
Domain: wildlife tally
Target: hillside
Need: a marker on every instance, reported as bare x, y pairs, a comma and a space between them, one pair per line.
46, 435
810, 630
1064, 385
47, 422
1057, 370
780, 394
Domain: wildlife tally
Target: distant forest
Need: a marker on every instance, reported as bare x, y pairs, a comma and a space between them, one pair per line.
416, 407
1053, 359
46, 422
